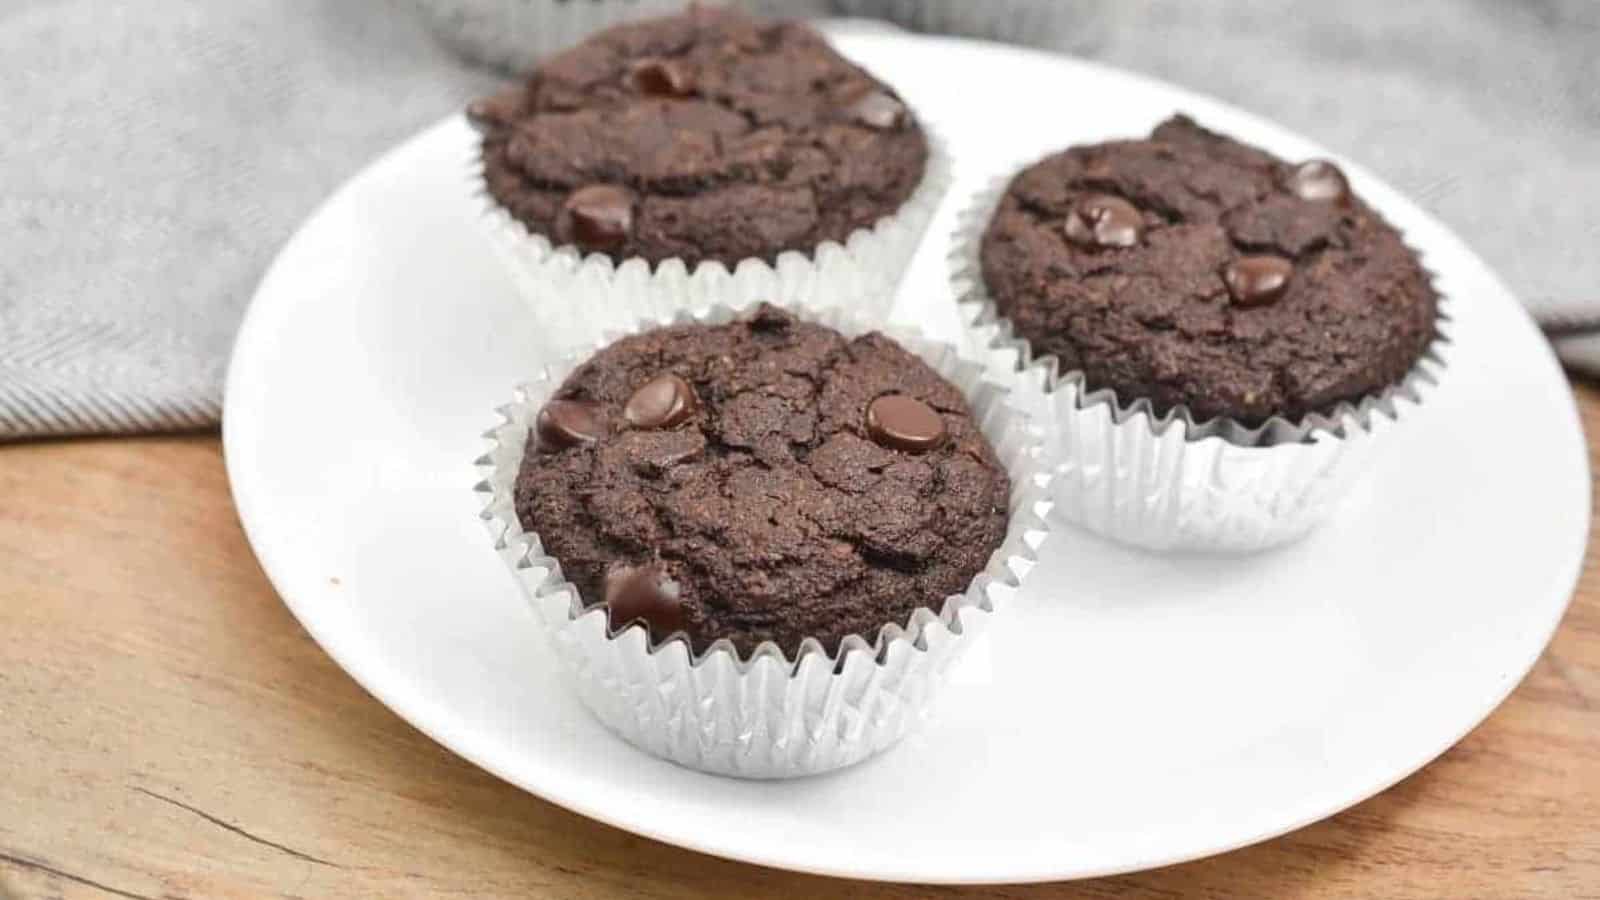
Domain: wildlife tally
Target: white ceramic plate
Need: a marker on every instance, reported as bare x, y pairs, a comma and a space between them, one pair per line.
1130, 710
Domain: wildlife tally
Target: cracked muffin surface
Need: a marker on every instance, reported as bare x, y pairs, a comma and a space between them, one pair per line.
708, 135
763, 480
1192, 270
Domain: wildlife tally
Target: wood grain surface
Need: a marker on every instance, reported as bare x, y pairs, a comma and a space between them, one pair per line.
167, 730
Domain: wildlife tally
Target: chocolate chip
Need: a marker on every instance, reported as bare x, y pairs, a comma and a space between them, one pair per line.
488, 113
663, 401
1257, 280
661, 78
1101, 220
877, 109
596, 217
567, 423
770, 320
1319, 179
644, 593
904, 423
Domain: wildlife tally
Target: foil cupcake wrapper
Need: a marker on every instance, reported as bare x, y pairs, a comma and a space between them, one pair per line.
766, 715
1168, 481
514, 35
578, 298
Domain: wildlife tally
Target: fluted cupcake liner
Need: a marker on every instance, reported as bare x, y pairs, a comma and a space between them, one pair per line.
578, 298
514, 35
1167, 481
766, 715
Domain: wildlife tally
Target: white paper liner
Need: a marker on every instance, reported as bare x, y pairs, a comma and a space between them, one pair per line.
767, 716
514, 35
1168, 482
577, 299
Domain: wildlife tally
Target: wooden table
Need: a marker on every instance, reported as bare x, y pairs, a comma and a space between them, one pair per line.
167, 730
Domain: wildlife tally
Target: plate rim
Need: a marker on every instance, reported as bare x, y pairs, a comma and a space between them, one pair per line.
416, 713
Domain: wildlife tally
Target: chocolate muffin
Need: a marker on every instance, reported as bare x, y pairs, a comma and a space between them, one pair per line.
1191, 270
763, 480
707, 135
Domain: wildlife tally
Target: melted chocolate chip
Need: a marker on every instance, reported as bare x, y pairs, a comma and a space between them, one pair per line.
647, 594
904, 423
1319, 179
877, 109
661, 78
663, 401
487, 113
567, 423
1101, 220
596, 217
1257, 280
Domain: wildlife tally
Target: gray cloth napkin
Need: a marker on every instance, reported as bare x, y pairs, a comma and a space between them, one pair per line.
158, 152
155, 155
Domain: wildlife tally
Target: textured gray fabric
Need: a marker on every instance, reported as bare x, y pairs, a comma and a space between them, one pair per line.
158, 152
515, 34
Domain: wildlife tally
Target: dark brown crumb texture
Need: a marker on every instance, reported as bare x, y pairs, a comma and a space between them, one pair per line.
1155, 320
769, 148
771, 506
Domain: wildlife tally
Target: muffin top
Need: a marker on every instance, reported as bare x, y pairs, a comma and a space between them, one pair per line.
763, 480
1192, 270
707, 135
